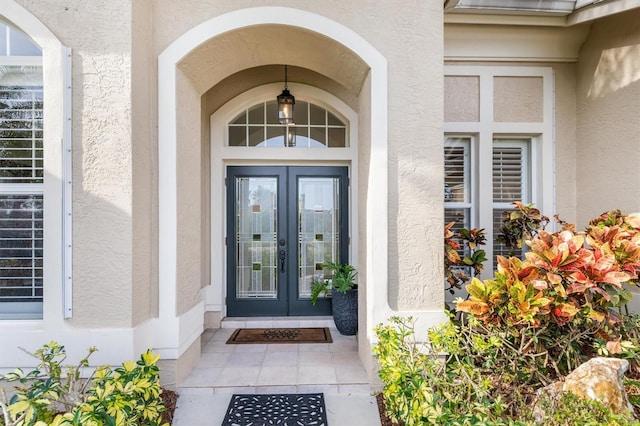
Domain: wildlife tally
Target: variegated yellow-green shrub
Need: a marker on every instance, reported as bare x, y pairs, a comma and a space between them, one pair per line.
470, 374
123, 396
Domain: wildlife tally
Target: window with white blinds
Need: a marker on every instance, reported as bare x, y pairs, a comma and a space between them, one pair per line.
457, 182
511, 182
21, 176
510, 171
508, 148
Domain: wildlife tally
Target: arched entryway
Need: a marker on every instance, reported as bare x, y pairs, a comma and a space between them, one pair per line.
218, 61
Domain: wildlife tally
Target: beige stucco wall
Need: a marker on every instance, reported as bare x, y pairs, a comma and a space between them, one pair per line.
517, 99
608, 117
416, 87
462, 98
189, 214
415, 110
102, 154
114, 115
565, 137
144, 156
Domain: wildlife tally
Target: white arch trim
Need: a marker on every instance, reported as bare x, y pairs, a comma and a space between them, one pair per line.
376, 232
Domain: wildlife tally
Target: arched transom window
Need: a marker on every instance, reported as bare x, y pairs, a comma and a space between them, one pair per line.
315, 127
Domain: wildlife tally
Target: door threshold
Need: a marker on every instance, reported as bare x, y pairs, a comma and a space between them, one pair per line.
277, 322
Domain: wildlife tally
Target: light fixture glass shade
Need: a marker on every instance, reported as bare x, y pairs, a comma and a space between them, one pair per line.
286, 101
290, 136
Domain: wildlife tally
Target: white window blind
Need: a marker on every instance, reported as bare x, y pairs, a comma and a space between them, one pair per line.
511, 182
21, 177
457, 184
457, 180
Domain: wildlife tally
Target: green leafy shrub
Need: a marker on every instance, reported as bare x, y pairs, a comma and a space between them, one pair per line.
570, 410
421, 386
467, 242
58, 396
470, 376
343, 279
520, 225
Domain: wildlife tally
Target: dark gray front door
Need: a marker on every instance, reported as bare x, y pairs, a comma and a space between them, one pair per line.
283, 223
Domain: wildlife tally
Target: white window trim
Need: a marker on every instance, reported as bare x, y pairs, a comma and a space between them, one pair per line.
472, 190
53, 62
24, 310
486, 130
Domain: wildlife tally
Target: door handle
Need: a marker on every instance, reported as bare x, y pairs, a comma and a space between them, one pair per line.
282, 255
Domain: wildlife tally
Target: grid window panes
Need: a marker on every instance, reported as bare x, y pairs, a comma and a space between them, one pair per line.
457, 184
21, 176
315, 127
464, 192
511, 182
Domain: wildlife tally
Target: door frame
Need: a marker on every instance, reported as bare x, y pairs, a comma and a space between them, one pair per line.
221, 156
287, 302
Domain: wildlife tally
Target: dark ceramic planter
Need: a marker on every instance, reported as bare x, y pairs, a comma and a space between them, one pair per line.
345, 311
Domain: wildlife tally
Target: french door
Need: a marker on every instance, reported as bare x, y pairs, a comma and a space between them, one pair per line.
283, 223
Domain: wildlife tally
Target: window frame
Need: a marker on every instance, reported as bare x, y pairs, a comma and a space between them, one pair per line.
26, 310
303, 126
485, 131
57, 191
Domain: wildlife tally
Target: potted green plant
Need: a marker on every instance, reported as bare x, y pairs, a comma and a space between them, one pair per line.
342, 286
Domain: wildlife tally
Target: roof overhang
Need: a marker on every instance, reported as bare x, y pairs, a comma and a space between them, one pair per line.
517, 7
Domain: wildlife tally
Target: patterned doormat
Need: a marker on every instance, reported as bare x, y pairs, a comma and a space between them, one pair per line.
280, 335
282, 410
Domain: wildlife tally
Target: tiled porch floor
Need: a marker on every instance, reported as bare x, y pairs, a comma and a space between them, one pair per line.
332, 368
287, 368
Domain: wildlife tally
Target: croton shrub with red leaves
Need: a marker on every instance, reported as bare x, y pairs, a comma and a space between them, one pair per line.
569, 283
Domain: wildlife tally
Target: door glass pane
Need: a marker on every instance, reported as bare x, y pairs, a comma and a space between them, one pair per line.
256, 232
319, 228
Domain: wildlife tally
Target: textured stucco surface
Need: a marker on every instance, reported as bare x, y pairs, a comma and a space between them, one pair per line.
188, 159
517, 99
608, 114
144, 155
102, 128
461, 98
565, 137
415, 111
114, 114
415, 153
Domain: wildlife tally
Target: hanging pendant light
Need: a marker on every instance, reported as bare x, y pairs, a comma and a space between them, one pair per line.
286, 101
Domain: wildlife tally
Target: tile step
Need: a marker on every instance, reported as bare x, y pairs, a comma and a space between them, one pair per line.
346, 389
277, 322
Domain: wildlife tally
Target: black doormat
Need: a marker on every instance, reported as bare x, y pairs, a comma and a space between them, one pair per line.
280, 335
282, 410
